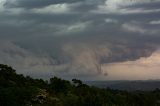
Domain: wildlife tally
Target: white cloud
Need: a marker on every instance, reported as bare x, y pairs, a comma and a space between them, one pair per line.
143, 68
155, 22
109, 20
137, 28
122, 3
2, 2
133, 28
77, 27
73, 28
123, 7
54, 8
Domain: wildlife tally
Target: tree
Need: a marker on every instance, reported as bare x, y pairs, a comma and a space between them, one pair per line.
59, 85
77, 82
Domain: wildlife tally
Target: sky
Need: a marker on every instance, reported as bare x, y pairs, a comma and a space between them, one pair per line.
84, 39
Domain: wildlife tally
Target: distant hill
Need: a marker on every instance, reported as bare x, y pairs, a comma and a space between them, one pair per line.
146, 85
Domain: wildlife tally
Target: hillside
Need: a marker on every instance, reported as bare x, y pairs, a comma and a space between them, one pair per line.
19, 90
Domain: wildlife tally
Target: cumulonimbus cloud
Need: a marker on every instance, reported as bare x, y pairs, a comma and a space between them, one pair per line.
72, 38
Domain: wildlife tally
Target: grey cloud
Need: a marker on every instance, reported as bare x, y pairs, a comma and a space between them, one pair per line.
77, 41
27, 61
36, 4
41, 5
45, 66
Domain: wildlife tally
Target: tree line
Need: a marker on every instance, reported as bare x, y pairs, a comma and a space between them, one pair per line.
19, 90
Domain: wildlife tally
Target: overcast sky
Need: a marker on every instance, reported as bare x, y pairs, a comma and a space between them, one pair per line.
85, 39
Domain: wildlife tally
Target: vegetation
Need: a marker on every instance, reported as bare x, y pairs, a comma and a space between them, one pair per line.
18, 90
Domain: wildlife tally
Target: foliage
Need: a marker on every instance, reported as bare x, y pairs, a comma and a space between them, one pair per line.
18, 90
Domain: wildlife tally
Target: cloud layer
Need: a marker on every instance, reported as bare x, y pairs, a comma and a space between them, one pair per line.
76, 38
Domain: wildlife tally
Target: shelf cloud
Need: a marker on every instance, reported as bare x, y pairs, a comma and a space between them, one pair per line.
86, 39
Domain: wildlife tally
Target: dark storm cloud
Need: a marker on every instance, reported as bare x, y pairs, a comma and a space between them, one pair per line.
37, 4
78, 36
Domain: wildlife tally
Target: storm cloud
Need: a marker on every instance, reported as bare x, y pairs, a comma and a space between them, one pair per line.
77, 38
